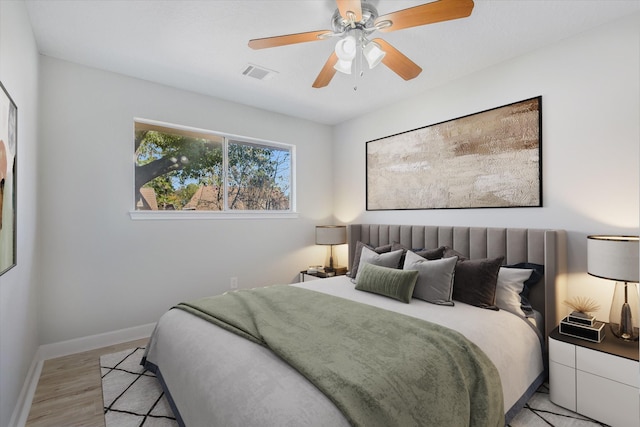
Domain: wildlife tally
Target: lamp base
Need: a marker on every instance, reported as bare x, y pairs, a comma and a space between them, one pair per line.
621, 317
622, 334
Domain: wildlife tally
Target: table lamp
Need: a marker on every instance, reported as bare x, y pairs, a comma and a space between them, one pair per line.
616, 258
331, 235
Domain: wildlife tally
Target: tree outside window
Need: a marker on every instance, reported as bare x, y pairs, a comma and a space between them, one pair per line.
183, 169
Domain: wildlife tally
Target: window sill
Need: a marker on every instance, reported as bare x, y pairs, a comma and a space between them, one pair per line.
181, 215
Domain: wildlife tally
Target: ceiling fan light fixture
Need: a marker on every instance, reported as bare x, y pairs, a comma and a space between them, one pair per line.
354, 21
343, 66
373, 54
346, 48
345, 51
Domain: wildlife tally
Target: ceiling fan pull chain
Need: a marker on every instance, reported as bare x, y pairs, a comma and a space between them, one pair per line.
358, 61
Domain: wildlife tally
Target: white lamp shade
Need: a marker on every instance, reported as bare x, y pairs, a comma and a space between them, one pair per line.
373, 54
613, 257
331, 235
343, 66
346, 48
346, 51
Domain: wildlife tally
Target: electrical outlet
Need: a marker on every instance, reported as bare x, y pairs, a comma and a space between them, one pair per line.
234, 283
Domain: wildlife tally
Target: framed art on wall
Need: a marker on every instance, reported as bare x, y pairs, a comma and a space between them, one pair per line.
490, 159
8, 143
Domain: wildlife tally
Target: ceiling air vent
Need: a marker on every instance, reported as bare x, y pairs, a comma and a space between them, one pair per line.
258, 72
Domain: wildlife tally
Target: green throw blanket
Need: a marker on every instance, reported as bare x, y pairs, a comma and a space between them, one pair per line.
378, 367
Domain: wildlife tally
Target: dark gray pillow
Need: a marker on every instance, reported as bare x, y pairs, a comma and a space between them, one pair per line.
435, 278
450, 252
390, 282
475, 281
389, 259
356, 257
436, 253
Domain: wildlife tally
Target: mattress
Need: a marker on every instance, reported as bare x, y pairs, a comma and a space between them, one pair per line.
216, 378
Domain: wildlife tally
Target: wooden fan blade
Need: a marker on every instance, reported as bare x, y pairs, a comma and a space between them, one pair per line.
438, 11
354, 6
327, 72
398, 62
266, 42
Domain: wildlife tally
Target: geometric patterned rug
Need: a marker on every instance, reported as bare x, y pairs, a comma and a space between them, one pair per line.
133, 397
540, 412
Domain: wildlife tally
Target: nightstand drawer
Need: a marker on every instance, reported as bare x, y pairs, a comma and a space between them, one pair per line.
563, 353
608, 401
608, 366
562, 385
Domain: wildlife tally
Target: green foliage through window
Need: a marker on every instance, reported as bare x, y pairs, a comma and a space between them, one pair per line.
179, 169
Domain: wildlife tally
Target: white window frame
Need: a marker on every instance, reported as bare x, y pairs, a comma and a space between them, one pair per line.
225, 214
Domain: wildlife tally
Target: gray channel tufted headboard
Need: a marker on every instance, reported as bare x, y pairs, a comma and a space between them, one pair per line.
539, 246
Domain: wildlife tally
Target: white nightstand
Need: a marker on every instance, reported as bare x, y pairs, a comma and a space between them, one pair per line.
598, 380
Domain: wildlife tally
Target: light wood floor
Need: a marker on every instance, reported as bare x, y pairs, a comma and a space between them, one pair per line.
69, 391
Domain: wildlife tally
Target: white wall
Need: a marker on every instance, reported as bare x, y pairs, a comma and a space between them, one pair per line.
102, 271
591, 132
18, 289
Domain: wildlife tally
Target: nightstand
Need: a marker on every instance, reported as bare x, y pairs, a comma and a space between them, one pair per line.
598, 380
305, 277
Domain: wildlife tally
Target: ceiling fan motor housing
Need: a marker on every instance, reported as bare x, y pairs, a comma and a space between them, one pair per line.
342, 25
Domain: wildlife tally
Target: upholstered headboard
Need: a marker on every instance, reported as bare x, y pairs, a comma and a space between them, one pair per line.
546, 247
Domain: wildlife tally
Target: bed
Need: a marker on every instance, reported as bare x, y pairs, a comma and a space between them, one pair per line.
216, 377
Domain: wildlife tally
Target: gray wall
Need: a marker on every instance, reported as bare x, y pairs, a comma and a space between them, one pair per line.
103, 271
589, 86
18, 286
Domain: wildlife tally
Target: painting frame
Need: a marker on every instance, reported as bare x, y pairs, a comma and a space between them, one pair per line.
488, 159
8, 180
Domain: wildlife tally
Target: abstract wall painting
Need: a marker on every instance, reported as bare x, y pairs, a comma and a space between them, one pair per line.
491, 159
8, 143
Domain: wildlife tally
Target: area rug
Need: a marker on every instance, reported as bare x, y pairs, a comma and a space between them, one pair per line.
134, 397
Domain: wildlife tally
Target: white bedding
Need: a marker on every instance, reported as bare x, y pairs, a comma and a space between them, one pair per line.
217, 378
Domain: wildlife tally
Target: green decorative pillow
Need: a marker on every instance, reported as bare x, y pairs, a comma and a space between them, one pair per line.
390, 282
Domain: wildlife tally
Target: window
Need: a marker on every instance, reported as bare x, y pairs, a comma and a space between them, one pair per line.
185, 169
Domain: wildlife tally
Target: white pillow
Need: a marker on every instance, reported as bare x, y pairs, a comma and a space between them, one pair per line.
389, 259
435, 279
510, 284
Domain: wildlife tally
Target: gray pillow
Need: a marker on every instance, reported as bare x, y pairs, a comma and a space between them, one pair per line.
435, 279
358, 252
389, 282
389, 259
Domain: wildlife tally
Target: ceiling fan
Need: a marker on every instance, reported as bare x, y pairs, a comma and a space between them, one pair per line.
354, 21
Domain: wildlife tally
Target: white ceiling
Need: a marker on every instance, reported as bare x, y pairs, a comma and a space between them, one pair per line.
201, 46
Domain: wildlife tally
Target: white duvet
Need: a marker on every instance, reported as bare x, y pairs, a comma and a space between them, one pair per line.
217, 378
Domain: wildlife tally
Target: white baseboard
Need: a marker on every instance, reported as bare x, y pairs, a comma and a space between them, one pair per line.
77, 345
65, 348
21, 411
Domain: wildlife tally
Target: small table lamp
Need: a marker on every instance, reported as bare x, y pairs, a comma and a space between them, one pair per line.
616, 258
331, 235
